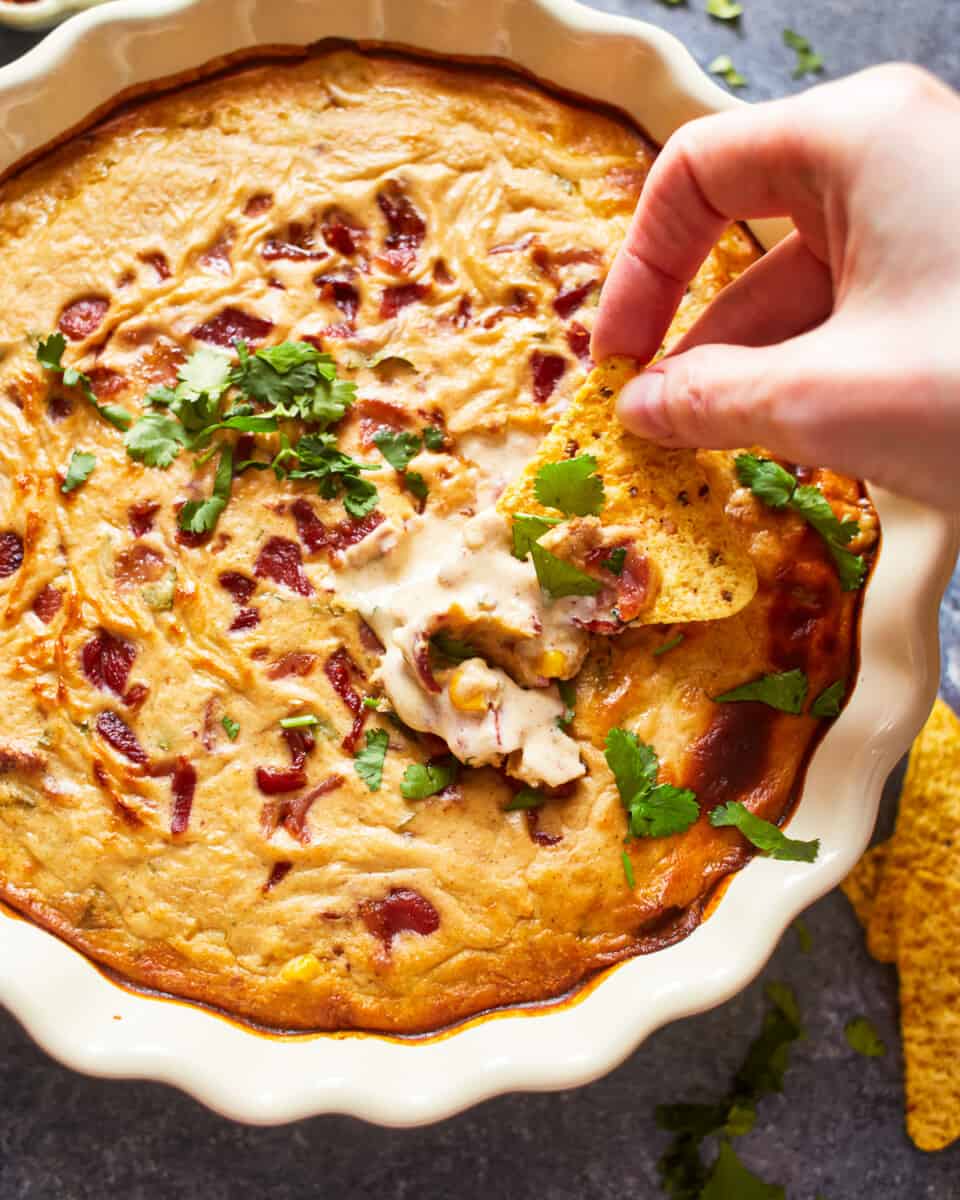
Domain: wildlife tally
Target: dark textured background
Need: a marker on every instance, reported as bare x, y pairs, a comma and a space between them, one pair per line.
838, 1128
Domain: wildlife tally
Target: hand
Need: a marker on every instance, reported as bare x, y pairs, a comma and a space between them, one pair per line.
841, 347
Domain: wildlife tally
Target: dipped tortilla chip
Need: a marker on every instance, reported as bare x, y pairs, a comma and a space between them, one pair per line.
862, 884
929, 961
928, 828
669, 501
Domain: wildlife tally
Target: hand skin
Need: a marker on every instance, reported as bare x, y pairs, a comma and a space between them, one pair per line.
841, 347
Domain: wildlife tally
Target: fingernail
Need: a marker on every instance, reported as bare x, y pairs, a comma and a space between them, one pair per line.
640, 406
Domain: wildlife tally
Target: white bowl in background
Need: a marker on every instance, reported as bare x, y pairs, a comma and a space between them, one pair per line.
94, 1025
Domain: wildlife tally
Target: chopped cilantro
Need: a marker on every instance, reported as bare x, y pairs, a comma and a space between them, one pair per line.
201, 516
724, 10
765, 836
399, 449
524, 799
50, 357
804, 936
155, 440
808, 62
667, 646
863, 1037
231, 727
368, 763
730, 1180
568, 694
434, 438
723, 66
572, 486
814, 507
445, 645
785, 691
305, 721
79, 470
767, 480
333, 471
415, 483
559, 578
528, 529
628, 870
614, 564
654, 809
295, 381
828, 703
426, 779
372, 702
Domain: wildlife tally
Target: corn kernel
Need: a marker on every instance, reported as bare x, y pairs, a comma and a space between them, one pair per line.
553, 663
301, 969
465, 694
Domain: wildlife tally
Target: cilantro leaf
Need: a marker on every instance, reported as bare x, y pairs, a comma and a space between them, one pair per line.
155, 440
667, 646
295, 380
863, 1037
79, 470
332, 470
724, 10
560, 578
804, 936
50, 352
633, 764
808, 62
231, 727
399, 449
201, 516
528, 529
361, 496
415, 483
572, 486
568, 694
785, 691
452, 648
663, 811
524, 799
205, 373
767, 480
730, 1180
723, 66
654, 809
50, 356
434, 438
426, 779
814, 507
614, 564
764, 835
830, 700
368, 763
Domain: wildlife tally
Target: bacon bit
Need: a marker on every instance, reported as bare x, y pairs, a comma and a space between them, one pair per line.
139, 563
402, 910
340, 669
442, 273
461, 318
510, 247
140, 516
274, 249
294, 812
158, 261
193, 540
536, 835
395, 298
241, 587
106, 382
281, 561
14, 758
161, 363
353, 530
300, 743
369, 639
183, 785
246, 618
59, 408
106, 661
297, 662
376, 414
232, 325
258, 204
278, 873
331, 332
217, 255
11, 553
406, 226
340, 235
208, 734
565, 304
276, 781
547, 371
421, 660
122, 810
578, 339
118, 734
341, 291
312, 531
521, 304
136, 695
47, 603
634, 585
81, 318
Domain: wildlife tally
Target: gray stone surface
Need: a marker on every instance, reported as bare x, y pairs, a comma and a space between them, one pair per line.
836, 1131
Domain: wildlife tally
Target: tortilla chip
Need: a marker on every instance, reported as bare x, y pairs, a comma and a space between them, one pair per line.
929, 961
928, 827
671, 498
862, 884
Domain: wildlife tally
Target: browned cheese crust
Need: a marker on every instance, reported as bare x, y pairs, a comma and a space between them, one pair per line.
217, 212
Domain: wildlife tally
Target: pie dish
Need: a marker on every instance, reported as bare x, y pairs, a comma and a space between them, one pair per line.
40, 14
100, 650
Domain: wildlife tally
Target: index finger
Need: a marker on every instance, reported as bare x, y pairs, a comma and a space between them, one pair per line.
760, 161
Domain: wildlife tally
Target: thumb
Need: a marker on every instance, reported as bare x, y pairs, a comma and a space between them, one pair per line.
721, 397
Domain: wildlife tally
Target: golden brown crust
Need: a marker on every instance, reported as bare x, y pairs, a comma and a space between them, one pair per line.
187, 206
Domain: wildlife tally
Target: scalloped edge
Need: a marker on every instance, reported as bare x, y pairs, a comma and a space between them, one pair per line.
95, 1026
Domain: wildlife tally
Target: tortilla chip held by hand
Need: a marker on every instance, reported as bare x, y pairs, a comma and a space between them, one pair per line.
662, 510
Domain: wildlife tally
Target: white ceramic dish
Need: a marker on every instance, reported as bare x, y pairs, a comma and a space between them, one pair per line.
91, 1024
41, 14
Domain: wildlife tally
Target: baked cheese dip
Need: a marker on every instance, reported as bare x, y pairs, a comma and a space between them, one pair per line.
298, 722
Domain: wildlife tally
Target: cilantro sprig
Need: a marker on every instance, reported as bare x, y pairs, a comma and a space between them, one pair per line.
808, 61
369, 761
79, 470
572, 486
830, 700
50, 357
862, 1036
778, 489
400, 449
421, 780
785, 691
764, 835
653, 809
